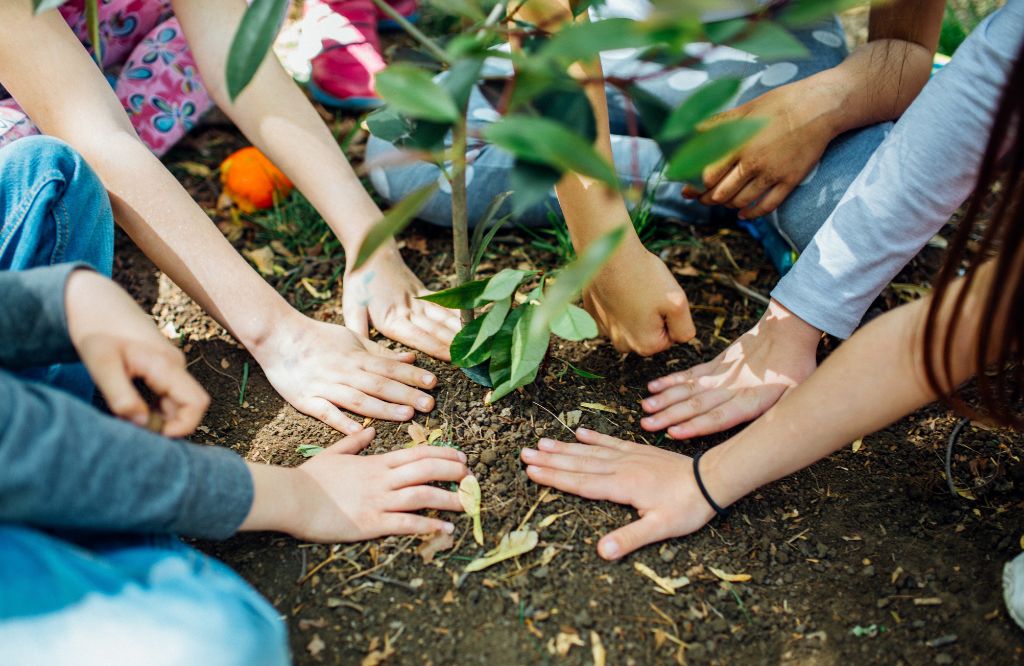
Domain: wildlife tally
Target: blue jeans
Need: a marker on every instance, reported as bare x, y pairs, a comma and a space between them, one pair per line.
639, 160
97, 598
54, 210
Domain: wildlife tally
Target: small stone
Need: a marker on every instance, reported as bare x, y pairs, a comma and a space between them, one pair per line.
883, 602
943, 659
668, 554
942, 641
489, 457
583, 619
869, 570
540, 572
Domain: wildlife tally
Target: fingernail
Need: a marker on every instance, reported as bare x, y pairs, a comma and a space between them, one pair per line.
425, 403
650, 403
582, 431
609, 549
532, 468
427, 379
370, 431
462, 456
449, 528
530, 454
546, 444
403, 412
654, 386
141, 420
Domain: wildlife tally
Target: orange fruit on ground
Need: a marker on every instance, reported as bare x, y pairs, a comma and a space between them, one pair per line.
252, 181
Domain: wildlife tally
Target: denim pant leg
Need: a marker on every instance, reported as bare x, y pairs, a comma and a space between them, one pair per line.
128, 600
54, 210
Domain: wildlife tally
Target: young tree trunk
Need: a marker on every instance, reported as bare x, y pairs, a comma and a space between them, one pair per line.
460, 216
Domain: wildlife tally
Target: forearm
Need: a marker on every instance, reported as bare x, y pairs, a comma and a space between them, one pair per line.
276, 504
590, 208
873, 379
277, 118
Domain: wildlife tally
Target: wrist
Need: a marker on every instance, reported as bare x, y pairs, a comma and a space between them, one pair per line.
779, 322
277, 499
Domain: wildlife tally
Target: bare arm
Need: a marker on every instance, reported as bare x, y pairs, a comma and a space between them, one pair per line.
276, 117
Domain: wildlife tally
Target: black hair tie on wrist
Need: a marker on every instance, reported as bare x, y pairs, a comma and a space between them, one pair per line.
719, 511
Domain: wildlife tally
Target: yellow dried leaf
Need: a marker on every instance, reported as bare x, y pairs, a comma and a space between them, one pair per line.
194, 169
566, 640
666, 585
435, 435
550, 520
728, 577
262, 258
548, 555
469, 497
434, 544
599, 407
965, 493
313, 291
417, 433
377, 657
597, 650
512, 545
856, 445
316, 645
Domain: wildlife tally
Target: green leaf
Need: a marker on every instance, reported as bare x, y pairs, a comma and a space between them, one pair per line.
585, 374
710, 146
504, 284
309, 450
804, 12
545, 141
531, 184
479, 374
393, 222
573, 278
720, 32
388, 124
461, 349
575, 324
466, 8
252, 40
501, 349
463, 297
414, 93
528, 348
584, 41
487, 229
40, 6
461, 78
769, 41
704, 101
491, 324
569, 106
653, 111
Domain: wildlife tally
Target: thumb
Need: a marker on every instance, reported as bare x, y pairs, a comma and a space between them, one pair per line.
357, 318
353, 444
628, 538
109, 372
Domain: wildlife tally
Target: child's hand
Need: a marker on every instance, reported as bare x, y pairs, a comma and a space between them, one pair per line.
383, 293
637, 303
658, 483
118, 343
321, 368
341, 496
739, 384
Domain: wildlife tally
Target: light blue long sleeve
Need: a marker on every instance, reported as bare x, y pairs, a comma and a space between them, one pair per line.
918, 177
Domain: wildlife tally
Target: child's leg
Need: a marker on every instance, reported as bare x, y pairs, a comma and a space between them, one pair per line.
160, 88
54, 210
128, 599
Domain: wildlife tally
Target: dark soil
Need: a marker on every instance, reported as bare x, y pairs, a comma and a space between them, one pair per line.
866, 538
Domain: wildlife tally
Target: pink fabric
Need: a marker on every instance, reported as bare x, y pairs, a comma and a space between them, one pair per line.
152, 69
351, 55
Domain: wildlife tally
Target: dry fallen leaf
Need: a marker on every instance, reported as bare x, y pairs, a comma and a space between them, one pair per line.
550, 520
731, 578
377, 657
316, 646
262, 258
313, 291
434, 435
548, 555
469, 497
565, 641
572, 418
512, 545
666, 585
856, 445
194, 169
598, 406
417, 433
597, 649
434, 544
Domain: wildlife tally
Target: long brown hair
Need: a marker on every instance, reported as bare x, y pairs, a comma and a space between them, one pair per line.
999, 239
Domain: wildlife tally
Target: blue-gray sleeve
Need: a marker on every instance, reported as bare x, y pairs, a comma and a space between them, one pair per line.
33, 328
65, 465
920, 174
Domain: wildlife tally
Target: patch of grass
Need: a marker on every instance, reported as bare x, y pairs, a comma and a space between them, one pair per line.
297, 226
961, 17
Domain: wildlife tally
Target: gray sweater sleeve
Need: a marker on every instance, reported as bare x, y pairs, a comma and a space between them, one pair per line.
65, 465
920, 174
33, 329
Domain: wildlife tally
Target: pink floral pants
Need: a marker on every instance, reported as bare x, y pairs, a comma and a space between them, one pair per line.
148, 62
